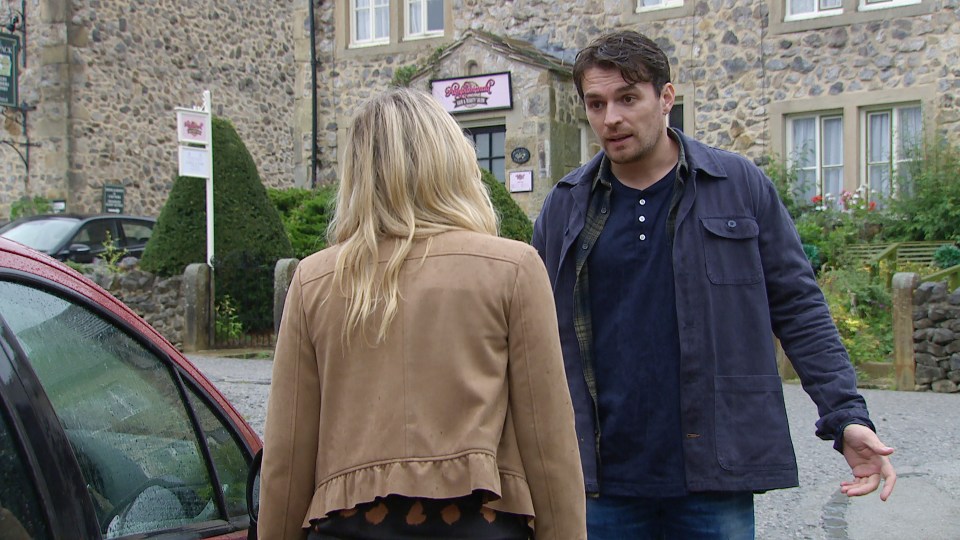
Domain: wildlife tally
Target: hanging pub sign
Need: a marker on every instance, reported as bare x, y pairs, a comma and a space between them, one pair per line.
474, 94
9, 49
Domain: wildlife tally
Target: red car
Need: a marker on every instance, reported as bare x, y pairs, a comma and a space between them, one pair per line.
106, 430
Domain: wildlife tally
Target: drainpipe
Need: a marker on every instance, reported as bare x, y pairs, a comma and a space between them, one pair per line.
313, 96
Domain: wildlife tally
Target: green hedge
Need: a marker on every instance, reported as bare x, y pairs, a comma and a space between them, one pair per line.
514, 223
248, 235
305, 215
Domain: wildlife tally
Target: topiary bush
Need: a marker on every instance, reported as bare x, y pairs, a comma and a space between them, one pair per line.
248, 235
305, 215
514, 223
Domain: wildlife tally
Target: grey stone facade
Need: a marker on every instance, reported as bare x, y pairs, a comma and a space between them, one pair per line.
105, 77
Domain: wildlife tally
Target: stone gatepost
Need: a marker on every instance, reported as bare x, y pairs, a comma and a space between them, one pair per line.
904, 283
196, 313
282, 276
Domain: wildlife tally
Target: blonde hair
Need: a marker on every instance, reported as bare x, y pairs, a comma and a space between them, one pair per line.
408, 172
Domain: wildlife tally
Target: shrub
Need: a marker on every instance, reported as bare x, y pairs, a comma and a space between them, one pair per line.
928, 201
946, 256
861, 308
305, 215
30, 206
247, 230
514, 223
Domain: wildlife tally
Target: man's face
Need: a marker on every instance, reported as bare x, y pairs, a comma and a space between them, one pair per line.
629, 119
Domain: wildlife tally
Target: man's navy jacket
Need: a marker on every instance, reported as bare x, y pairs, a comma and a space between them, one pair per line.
741, 277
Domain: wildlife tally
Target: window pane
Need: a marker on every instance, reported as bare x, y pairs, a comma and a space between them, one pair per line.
21, 514
414, 17
909, 139
497, 143
496, 167
483, 145
832, 180
381, 22
807, 184
832, 151
801, 6
879, 177
228, 455
804, 147
434, 15
120, 408
650, 3
879, 137
362, 20
830, 4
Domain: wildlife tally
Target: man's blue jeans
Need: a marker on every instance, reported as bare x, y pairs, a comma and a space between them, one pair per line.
697, 516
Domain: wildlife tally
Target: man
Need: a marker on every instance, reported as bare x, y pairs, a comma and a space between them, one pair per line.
673, 264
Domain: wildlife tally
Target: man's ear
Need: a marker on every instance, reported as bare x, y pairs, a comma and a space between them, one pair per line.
667, 95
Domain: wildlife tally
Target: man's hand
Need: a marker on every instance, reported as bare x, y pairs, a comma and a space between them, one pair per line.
868, 460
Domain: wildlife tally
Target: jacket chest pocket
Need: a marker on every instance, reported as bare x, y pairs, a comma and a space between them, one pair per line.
730, 250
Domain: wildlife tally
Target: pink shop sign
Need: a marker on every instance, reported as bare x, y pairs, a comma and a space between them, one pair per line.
193, 126
474, 94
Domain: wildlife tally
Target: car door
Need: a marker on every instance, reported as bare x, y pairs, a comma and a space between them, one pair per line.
134, 235
97, 234
156, 455
41, 489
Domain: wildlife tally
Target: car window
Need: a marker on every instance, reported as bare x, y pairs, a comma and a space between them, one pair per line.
95, 234
42, 234
121, 409
21, 515
135, 233
228, 457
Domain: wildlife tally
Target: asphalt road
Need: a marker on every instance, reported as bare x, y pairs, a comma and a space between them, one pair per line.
923, 427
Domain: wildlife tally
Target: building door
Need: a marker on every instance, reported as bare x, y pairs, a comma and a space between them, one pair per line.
490, 143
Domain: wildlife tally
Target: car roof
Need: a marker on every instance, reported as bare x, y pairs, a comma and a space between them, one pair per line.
80, 217
17, 257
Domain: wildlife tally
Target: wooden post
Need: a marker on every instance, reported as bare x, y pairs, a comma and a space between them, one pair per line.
904, 364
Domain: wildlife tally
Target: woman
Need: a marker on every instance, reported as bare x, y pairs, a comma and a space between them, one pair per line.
418, 388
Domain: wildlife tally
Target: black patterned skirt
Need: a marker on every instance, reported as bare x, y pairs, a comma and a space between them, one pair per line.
396, 517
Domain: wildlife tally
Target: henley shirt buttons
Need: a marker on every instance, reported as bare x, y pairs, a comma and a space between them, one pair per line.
643, 237
642, 202
642, 219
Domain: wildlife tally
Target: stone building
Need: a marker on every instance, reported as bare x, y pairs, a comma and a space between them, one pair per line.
845, 88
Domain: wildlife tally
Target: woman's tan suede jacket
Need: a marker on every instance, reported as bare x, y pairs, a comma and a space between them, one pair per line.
466, 393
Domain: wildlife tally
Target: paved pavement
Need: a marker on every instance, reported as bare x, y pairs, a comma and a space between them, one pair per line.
923, 427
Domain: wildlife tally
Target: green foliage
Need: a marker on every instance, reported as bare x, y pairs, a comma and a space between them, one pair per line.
785, 179
813, 255
30, 206
228, 325
305, 215
514, 223
112, 254
248, 235
404, 74
946, 256
861, 308
928, 203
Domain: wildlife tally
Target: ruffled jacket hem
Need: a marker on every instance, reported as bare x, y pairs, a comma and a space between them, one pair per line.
440, 477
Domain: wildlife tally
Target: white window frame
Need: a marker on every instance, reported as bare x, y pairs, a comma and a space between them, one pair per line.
818, 11
895, 159
661, 4
373, 40
424, 17
872, 5
816, 163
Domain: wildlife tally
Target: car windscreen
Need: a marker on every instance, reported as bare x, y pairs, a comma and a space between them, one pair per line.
42, 235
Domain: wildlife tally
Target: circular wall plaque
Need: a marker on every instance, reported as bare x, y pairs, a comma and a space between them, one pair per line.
520, 155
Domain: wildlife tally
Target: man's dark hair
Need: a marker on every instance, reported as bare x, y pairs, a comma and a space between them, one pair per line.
634, 55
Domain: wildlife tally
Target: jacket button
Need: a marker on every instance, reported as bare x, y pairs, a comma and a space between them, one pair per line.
584, 245
731, 224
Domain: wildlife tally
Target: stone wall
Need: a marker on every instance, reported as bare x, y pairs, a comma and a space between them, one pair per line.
158, 300
106, 77
936, 336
